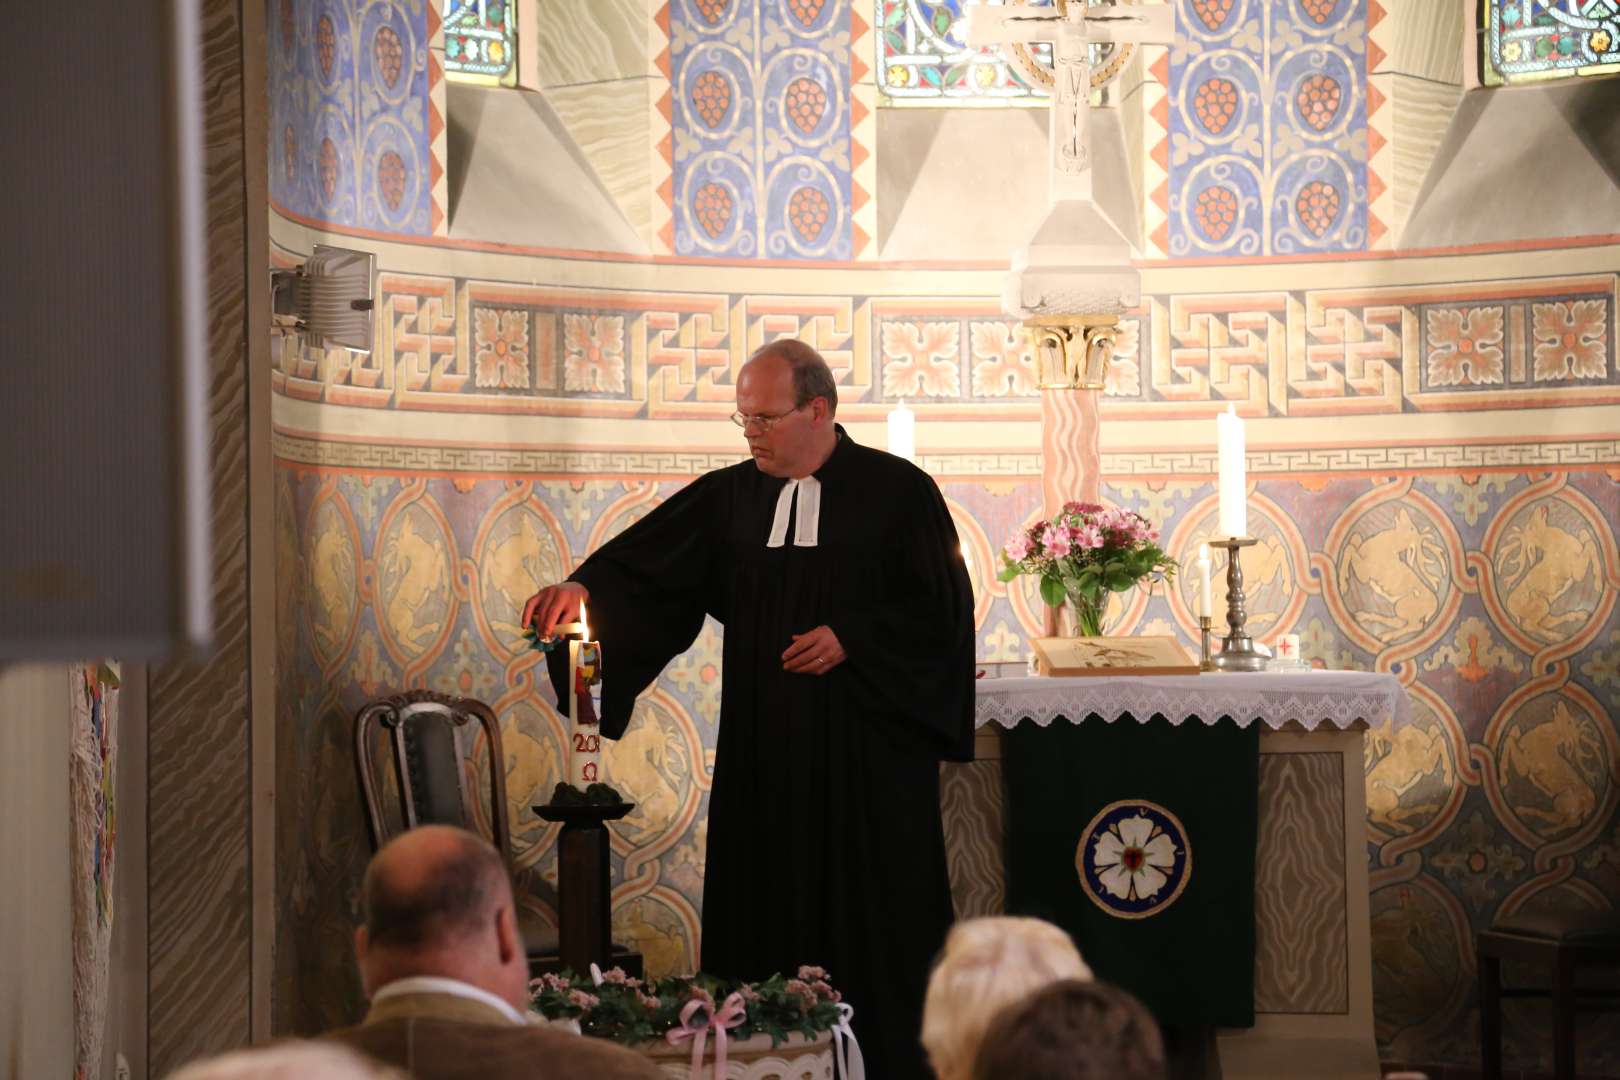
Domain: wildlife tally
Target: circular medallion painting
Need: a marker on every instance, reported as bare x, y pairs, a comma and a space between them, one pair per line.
1549, 571
1133, 859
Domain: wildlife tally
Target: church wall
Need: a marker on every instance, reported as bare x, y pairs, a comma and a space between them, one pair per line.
1433, 452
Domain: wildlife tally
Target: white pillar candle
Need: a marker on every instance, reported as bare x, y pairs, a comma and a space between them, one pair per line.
903, 432
1234, 496
1203, 588
584, 726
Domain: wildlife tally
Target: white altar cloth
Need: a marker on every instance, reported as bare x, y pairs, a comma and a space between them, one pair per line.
1310, 699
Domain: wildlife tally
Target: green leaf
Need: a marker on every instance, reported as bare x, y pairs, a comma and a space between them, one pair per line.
1052, 592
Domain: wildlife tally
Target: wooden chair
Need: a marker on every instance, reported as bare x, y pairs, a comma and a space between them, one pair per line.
1565, 943
430, 774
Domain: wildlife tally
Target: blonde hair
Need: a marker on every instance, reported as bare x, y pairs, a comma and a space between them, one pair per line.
291, 1059
986, 965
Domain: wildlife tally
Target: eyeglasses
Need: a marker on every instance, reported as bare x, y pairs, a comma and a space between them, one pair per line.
765, 423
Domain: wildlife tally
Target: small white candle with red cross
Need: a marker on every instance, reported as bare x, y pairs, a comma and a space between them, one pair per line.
1288, 648
584, 727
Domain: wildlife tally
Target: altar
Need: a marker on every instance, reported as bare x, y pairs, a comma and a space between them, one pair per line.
1312, 957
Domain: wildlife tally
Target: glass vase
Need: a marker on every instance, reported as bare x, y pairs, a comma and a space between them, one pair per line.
1087, 615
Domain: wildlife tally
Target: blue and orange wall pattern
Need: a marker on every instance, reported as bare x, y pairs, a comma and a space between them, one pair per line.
351, 121
761, 126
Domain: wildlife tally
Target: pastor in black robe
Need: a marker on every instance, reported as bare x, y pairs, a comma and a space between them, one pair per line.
825, 842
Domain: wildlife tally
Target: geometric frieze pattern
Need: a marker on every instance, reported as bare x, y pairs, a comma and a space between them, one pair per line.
458, 345
1491, 594
387, 456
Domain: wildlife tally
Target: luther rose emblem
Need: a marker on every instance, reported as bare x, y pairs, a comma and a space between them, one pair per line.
1133, 859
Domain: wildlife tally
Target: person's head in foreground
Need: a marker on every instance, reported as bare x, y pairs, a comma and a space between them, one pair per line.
438, 902
1072, 1030
291, 1060
786, 400
987, 964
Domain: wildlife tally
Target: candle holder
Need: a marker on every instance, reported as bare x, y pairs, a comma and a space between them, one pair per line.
1204, 661
584, 891
1237, 647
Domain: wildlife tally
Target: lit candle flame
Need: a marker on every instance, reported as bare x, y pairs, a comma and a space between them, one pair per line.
584, 627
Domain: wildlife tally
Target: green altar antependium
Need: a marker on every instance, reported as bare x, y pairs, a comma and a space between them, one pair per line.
1139, 840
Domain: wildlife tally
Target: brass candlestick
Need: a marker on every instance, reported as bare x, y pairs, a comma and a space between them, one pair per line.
1237, 648
1204, 661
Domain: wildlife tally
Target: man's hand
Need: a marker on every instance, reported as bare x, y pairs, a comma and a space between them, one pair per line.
554, 604
815, 652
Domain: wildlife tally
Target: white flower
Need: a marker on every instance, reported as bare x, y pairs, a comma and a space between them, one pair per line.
1128, 858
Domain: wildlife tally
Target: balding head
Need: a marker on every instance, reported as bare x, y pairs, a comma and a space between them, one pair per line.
437, 901
812, 378
786, 399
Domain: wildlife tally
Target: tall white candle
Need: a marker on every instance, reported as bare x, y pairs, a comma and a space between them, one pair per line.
1203, 573
584, 728
1234, 498
903, 432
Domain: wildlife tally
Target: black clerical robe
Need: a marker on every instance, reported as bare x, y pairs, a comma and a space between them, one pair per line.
825, 843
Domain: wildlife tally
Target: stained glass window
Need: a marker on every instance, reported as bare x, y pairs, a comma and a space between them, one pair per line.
923, 59
480, 41
1527, 40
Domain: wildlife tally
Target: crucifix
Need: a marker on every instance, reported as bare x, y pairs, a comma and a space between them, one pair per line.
1072, 26
1073, 279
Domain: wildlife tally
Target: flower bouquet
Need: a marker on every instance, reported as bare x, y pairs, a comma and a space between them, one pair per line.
778, 1027
1083, 553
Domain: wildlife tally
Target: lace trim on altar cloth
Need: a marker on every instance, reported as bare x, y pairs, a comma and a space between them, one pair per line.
1313, 700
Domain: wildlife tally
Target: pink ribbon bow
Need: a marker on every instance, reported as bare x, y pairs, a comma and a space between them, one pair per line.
732, 1013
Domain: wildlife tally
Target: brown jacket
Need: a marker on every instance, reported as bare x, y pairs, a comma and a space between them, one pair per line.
443, 1037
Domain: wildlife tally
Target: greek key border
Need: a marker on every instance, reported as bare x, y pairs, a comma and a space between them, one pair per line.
299, 450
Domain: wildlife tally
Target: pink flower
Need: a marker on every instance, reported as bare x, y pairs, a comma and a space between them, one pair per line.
1018, 547
554, 982
749, 994
583, 1000
810, 973
823, 990
647, 1001
1089, 536
1056, 541
615, 975
807, 996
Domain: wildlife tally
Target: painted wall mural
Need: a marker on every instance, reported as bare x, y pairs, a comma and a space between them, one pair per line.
355, 136
1268, 127
762, 106
1478, 567
1491, 595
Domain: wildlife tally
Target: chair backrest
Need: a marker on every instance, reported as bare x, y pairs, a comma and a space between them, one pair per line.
429, 767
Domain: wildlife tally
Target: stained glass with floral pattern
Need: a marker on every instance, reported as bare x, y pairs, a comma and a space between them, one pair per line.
1527, 40
480, 41
923, 58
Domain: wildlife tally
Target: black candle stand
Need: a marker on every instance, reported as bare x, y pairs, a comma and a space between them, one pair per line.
584, 895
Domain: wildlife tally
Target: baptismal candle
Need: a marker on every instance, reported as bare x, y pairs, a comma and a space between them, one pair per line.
1288, 647
584, 730
1203, 588
1234, 498
903, 432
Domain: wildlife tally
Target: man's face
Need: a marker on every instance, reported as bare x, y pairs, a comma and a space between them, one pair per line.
765, 388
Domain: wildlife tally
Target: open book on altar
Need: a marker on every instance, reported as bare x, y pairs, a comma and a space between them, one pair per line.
1154, 654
